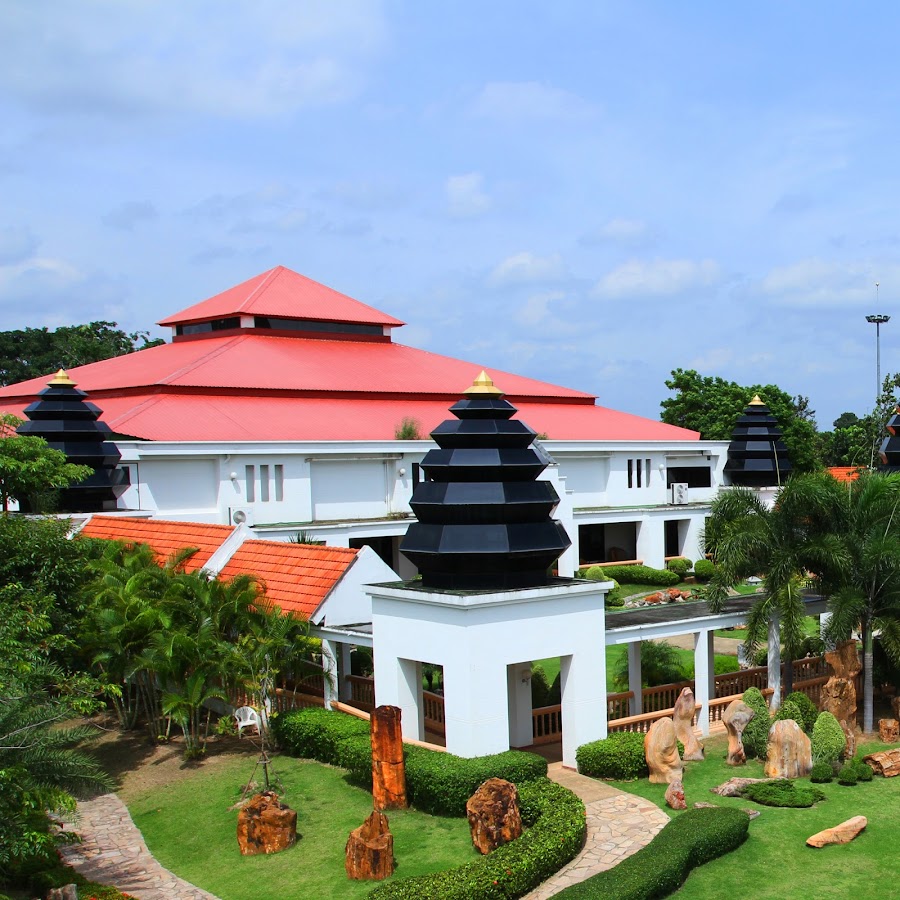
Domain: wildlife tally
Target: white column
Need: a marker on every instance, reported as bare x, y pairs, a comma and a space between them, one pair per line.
635, 680
824, 619
774, 662
409, 699
583, 680
330, 667
651, 541
704, 676
476, 713
518, 693
344, 689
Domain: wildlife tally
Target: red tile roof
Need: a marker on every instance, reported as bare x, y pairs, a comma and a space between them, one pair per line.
845, 473
297, 577
284, 294
164, 537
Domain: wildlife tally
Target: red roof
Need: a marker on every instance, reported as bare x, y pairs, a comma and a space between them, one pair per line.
164, 537
298, 577
845, 473
283, 293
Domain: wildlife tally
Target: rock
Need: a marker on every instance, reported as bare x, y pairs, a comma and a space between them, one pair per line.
265, 825
886, 762
661, 751
789, 751
734, 787
682, 718
388, 768
736, 716
493, 814
752, 813
702, 804
840, 834
895, 706
653, 598
66, 892
369, 854
675, 795
844, 660
839, 698
889, 731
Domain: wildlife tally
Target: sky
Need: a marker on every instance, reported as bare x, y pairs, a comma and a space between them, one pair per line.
587, 193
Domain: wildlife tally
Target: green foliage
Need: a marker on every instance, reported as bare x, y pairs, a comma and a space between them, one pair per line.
53, 874
848, 775
409, 429
783, 793
704, 569
619, 757
696, 837
822, 773
756, 734
633, 575
316, 733
680, 566
808, 710
828, 739
789, 710
863, 771
554, 818
615, 597
540, 687
660, 664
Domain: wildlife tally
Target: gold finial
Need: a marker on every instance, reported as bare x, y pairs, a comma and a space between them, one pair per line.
63, 378
756, 401
483, 385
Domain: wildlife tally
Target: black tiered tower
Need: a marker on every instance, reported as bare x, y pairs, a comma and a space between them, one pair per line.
889, 452
63, 418
484, 521
757, 456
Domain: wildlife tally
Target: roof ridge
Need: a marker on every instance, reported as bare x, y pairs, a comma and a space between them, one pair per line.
200, 361
268, 278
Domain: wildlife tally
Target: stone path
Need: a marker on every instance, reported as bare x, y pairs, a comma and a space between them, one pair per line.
113, 852
618, 824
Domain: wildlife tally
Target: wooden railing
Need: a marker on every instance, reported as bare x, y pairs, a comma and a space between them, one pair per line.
546, 724
618, 705
434, 712
643, 722
362, 692
663, 696
283, 700
738, 682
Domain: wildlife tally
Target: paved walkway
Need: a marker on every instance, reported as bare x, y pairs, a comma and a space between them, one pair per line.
618, 824
113, 852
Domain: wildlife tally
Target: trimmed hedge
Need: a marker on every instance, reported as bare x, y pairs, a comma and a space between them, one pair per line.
849, 775
680, 566
619, 756
822, 773
808, 710
828, 739
789, 710
783, 793
696, 837
633, 575
756, 734
315, 733
554, 817
704, 569
615, 597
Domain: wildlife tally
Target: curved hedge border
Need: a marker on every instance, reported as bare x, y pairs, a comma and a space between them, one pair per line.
659, 869
633, 575
554, 817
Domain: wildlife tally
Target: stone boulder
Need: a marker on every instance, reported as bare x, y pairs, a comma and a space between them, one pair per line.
683, 720
736, 716
493, 814
886, 763
265, 825
734, 787
675, 796
66, 892
369, 854
844, 660
840, 834
661, 752
789, 751
889, 731
388, 767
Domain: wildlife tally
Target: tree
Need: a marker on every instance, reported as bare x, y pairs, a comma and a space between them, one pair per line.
712, 406
31, 352
660, 664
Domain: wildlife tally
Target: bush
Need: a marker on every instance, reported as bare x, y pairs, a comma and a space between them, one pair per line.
615, 597
633, 575
789, 710
704, 569
848, 774
828, 738
782, 793
620, 757
863, 772
696, 837
756, 734
808, 709
680, 566
554, 817
316, 733
822, 773
540, 687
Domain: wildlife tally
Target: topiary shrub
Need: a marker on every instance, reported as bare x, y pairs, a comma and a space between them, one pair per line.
789, 710
680, 566
633, 575
620, 757
704, 569
783, 793
863, 772
848, 775
615, 597
808, 710
696, 837
828, 738
822, 773
756, 734
315, 733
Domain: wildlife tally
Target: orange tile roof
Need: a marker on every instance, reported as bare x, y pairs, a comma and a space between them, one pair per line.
297, 577
163, 536
845, 473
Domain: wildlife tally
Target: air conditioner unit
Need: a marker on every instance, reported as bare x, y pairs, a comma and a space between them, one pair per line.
240, 515
679, 494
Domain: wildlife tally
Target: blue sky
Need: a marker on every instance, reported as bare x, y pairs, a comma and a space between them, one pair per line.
583, 192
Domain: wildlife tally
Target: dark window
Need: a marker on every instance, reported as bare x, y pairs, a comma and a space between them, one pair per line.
630, 473
214, 325
304, 325
692, 476
383, 546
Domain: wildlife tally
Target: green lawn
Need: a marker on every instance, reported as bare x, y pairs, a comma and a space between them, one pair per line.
190, 829
775, 863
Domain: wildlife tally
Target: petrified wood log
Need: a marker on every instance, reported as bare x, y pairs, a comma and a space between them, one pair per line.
675, 795
369, 854
683, 720
889, 730
661, 752
886, 762
789, 751
844, 660
265, 825
736, 716
839, 698
840, 834
388, 769
734, 787
493, 814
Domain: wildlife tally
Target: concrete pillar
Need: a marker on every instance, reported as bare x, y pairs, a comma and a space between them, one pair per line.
329, 665
635, 680
774, 662
409, 698
344, 689
476, 709
518, 694
651, 541
583, 680
704, 675
824, 619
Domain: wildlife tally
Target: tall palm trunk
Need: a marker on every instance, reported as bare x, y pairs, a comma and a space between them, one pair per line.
868, 640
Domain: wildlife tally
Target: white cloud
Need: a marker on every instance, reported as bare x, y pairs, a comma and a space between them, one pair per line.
466, 196
518, 100
823, 283
537, 307
527, 268
657, 277
17, 243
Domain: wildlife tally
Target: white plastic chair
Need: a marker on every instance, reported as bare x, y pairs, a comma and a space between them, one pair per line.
244, 717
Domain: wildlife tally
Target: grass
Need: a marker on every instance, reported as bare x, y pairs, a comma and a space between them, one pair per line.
190, 829
775, 862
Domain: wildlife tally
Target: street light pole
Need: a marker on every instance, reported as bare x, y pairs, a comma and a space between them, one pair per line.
877, 320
